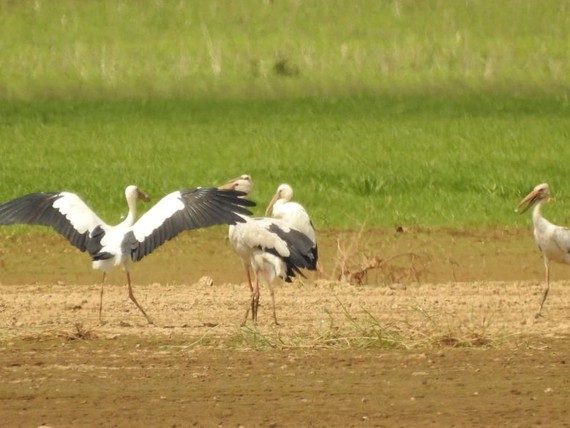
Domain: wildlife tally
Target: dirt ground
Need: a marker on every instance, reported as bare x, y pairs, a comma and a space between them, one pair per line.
440, 331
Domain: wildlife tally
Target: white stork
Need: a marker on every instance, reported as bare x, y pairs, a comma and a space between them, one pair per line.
553, 241
127, 241
293, 213
269, 247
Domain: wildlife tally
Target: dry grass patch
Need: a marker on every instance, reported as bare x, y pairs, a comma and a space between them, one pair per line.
356, 258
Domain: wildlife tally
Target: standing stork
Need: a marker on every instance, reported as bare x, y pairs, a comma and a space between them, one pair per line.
294, 214
128, 241
553, 241
269, 247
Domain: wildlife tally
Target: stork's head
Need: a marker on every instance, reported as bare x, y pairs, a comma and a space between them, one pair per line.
539, 194
243, 183
132, 193
284, 192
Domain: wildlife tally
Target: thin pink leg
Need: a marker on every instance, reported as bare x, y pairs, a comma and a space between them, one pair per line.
132, 297
101, 297
255, 299
250, 303
547, 266
272, 292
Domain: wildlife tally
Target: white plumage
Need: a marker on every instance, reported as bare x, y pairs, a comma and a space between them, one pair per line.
553, 241
294, 214
269, 247
127, 241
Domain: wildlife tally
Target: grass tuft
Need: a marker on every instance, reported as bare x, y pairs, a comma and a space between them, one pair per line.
344, 329
251, 338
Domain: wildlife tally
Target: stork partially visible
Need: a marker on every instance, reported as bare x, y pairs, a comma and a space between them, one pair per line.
269, 247
294, 214
128, 241
553, 241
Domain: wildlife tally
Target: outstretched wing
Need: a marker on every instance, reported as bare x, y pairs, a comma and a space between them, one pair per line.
184, 210
63, 211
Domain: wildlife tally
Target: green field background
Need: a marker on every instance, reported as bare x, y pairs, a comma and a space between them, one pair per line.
378, 113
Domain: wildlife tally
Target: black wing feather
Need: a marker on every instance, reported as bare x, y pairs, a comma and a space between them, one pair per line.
300, 247
202, 207
38, 209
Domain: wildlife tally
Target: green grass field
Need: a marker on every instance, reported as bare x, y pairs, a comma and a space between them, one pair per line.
378, 161
438, 113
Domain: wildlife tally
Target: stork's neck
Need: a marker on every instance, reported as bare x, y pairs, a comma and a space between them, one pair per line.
536, 213
131, 216
278, 208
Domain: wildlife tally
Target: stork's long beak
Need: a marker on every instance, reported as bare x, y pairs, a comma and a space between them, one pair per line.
143, 196
242, 184
269, 209
528, 201
229, 184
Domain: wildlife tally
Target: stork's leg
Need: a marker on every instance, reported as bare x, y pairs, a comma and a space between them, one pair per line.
546, 290
248, 272
272, 292
255, 299
250, 303
101, 297
132, 297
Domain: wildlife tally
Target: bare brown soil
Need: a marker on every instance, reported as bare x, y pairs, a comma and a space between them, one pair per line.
440, 332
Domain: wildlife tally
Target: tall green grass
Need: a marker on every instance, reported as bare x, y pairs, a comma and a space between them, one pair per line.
276, 48
377, 161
